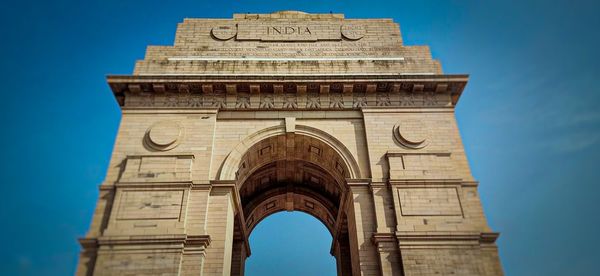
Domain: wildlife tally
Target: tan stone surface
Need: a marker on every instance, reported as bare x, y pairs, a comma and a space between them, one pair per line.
262, 113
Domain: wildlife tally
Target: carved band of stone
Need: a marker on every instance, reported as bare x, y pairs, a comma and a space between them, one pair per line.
411, 134
164, 135
285, 100
287, 95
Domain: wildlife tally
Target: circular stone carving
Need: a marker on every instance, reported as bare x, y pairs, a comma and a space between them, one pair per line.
411, 134
353, 31
164, 135
224, 32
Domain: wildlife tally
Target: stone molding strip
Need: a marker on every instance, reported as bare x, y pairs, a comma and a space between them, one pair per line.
440, 238
90, 244
201, 58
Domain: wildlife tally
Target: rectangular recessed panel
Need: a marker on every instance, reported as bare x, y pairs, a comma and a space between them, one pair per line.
146, 262
150, 205
158, 164
289, 31
429, 202
339, 168
265, 150
270, 204
315, 150
175, 168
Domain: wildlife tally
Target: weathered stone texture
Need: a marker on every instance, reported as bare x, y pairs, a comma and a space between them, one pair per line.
263, 113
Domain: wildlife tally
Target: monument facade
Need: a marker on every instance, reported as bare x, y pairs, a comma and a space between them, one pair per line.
288, 111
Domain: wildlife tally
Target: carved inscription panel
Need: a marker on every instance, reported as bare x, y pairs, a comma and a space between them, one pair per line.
288, 31
294, 31
421, 165
429, 202
172, 168
146, 262
150, 205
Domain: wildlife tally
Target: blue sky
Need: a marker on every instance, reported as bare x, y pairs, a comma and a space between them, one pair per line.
529, 118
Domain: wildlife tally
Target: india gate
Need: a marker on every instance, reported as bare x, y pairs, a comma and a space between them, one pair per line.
262, 113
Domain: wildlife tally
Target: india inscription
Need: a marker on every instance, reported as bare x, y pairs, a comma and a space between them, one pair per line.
289, 32
289, 111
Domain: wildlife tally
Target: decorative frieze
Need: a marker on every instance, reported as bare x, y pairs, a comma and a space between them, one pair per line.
286, 95
285, 100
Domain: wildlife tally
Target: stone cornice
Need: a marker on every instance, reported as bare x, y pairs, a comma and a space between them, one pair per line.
396, 153
432, 182
88, 243
197, 240
437, 238
267, 92
149, 239
184, 240
358, 181
383, 237
307, 78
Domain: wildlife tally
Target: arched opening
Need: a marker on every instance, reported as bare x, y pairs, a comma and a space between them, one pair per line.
294, 240
292, 172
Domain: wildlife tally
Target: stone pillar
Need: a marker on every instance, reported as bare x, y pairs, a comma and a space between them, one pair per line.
194, 252
449, 253
198, 240
220, 224
89, 245
239, 255
342, 255
389, 254
385, 239
361, 227
87, 257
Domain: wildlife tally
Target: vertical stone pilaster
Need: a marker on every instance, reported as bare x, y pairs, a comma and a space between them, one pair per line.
87, 257
361, 227
384, 208
238, 259
220, 223
388, 251
102, 212
451, 253
342, 254
89, 245
194, 252
387, 246
197, 210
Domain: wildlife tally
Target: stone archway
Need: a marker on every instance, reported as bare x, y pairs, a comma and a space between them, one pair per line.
190, 176
229, 167
292, 171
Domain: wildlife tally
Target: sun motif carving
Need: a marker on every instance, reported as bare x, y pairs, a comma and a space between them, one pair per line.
411, 133
224, 32
266, 101
243, 101
313, 101
336, 101
164, 135
290, 101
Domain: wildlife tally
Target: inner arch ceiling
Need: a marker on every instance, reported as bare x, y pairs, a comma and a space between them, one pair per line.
291, 172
